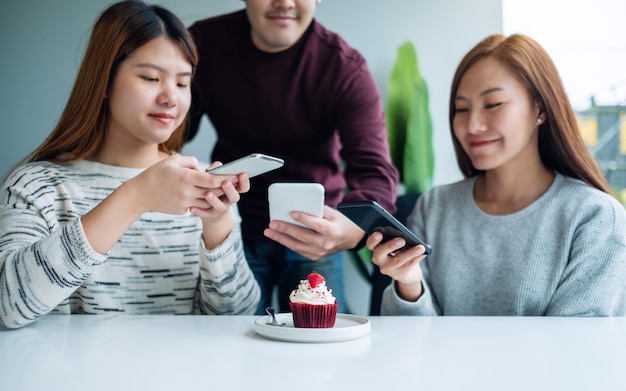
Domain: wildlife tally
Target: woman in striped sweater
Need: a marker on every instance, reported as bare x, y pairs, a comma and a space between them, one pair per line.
105, 216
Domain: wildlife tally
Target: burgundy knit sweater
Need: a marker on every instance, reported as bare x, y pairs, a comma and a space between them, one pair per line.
315, 105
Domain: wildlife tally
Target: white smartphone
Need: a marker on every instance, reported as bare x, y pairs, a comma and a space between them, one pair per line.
253, 164
285, 198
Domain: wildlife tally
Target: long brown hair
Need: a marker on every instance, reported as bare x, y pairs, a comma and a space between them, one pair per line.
122, 28
561, 146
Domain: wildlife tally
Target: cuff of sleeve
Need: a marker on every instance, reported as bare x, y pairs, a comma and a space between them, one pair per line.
393, 304
222, 249
80, 246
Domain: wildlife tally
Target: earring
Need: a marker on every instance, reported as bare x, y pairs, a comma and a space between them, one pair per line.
539, 120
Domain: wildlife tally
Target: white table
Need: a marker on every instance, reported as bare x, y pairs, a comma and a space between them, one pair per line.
120, 352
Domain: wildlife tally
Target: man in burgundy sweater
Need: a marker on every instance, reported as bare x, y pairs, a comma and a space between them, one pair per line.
273, 80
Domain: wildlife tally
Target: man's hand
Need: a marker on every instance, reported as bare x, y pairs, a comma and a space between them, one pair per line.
331, 233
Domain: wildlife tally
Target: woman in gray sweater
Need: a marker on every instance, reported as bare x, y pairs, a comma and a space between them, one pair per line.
533, 229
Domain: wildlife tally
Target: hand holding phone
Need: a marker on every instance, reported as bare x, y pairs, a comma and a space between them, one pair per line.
253, 164
371, 217
285, 198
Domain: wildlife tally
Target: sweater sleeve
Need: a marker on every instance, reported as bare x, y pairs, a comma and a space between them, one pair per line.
369, 172
40, 266
393, 304
227, 285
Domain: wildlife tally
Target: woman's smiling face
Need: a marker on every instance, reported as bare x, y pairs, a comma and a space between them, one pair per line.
150, 95
496, 121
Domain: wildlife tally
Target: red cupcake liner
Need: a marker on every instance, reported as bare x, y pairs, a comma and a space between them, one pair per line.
317, 316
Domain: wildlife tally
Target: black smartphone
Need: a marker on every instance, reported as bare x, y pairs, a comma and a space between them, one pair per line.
370, 217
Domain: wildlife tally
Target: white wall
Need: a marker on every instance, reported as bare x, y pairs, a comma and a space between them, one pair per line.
41, 45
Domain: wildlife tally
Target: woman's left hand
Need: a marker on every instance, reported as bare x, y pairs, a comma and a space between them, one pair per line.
217, 222
403, 266
220, 201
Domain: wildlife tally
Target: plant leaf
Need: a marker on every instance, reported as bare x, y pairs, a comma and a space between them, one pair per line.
409, 124
399, 99
418, 150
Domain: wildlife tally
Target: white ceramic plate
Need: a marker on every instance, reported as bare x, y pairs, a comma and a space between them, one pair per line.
347, 327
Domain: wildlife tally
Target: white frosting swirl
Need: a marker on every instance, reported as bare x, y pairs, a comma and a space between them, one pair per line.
307, 295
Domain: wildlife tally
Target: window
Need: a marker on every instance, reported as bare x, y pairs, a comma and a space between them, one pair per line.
586, 41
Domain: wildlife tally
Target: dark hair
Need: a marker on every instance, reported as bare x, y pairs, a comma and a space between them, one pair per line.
121, 29
561, 146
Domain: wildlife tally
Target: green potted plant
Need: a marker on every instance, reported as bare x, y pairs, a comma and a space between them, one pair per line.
409, 127
409, 123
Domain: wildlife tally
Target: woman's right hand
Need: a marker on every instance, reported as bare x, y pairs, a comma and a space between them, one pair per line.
176, 184
402, 266
170, 186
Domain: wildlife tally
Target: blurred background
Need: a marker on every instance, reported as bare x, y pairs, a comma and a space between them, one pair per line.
587, 41
42, 43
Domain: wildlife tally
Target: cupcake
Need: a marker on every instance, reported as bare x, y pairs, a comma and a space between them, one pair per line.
313, 304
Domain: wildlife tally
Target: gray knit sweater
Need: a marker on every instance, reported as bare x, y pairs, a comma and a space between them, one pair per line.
563, 255
159, 266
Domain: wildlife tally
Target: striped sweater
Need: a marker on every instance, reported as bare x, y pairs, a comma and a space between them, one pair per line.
159, 266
